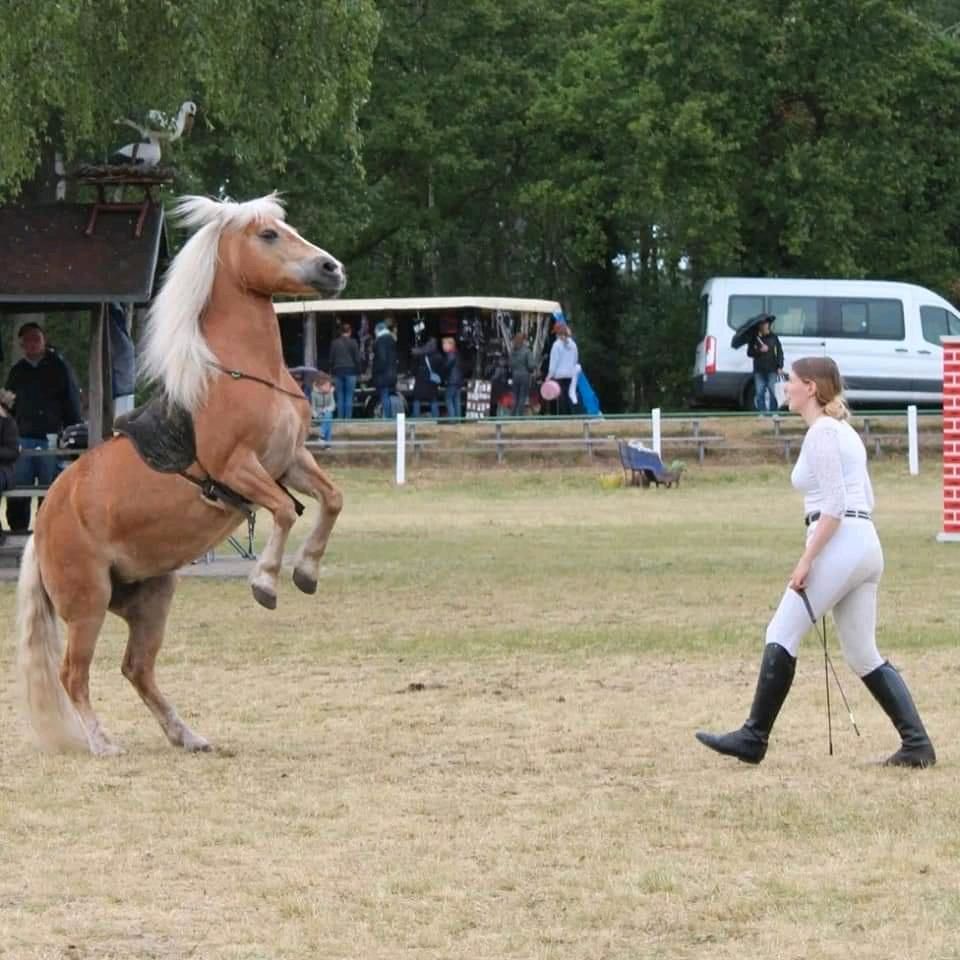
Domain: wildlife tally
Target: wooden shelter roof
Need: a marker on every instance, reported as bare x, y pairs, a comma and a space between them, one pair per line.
47, 261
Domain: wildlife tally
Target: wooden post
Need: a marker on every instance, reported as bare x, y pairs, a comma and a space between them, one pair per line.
100, 394
951, 440
310, 340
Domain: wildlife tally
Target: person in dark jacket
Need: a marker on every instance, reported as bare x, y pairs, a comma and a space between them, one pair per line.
767, 353
452, 377
344, 368
385, 367
48, 400
427, 377
123, 361
9, 443
521, 369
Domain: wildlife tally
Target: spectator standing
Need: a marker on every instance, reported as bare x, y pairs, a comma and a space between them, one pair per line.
345, 368
564, 367
122, 361
384, 367
9, 443
47, 400
453, 377
767, 353
426, 377
521, 368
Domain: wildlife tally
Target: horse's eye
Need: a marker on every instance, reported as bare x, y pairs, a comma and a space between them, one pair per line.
269, 235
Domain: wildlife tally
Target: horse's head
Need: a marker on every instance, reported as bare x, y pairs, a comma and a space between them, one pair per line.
260, 250
249, 248
271, 257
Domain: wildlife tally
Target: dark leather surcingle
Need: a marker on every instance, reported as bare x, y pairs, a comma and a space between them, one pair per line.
163, 434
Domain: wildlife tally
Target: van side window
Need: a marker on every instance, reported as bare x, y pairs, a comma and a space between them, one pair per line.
884, 320
796, 316
860, 319
741, 309
853, 319
937, 322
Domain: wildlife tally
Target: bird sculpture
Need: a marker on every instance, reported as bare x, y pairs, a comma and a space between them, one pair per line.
158, 129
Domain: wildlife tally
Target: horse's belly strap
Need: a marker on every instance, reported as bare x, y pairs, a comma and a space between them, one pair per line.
162, 433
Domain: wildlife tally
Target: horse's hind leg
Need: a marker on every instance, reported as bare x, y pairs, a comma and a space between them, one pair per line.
307, 477
82, 636
145, 606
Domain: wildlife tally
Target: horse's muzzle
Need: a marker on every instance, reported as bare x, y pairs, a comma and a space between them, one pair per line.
327, 276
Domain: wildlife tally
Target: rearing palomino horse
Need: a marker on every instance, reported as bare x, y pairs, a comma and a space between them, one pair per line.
112, 531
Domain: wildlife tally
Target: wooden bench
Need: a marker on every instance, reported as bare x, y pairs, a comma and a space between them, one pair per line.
589, 440
315, 445
501, 443
587, 445
899, 441
875, 443
346, 446
702, 442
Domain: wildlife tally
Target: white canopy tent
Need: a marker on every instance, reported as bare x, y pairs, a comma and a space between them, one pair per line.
510, 315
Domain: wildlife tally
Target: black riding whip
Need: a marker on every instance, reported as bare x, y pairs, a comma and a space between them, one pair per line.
828, 662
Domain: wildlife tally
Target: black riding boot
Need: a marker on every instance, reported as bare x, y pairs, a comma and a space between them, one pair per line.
890, 691
749, 743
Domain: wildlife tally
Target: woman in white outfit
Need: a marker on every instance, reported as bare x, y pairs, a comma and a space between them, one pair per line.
839, 570
564, 368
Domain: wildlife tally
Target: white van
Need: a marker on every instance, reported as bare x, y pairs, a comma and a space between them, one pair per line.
884, 336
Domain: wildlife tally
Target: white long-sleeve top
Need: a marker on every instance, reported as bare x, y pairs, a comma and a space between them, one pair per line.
563, 360
831, 470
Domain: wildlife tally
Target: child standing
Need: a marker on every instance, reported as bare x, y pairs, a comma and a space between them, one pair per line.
323, 404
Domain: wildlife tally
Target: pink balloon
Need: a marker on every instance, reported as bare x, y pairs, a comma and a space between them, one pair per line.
550, 390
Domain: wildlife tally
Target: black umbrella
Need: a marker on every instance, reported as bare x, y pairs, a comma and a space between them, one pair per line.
745, 329
307, 374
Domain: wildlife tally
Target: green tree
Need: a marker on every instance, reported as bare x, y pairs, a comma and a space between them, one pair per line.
270, 77
802, 138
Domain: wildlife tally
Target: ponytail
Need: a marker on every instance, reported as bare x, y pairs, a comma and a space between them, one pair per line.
837, 408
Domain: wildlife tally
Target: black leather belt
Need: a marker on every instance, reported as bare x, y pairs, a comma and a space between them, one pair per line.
813, 517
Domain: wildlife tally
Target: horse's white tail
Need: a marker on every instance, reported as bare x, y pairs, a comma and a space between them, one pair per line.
53, 718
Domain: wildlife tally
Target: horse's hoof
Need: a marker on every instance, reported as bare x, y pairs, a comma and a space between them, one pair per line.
266, 598
195, 744
304, 581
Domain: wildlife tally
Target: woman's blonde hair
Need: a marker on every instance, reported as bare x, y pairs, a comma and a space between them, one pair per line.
824, 374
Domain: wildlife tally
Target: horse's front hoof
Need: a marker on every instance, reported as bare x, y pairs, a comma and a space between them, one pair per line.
304, 581
266, 598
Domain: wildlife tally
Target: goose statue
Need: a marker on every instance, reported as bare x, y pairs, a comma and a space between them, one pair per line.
157, 130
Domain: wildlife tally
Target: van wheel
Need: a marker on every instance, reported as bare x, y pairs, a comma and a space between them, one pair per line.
748, 400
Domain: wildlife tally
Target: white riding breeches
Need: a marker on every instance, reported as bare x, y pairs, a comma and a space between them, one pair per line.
843, 579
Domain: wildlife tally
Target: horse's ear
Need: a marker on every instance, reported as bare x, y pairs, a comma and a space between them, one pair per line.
192, 211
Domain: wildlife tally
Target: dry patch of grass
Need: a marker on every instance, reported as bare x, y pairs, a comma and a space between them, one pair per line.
477, 742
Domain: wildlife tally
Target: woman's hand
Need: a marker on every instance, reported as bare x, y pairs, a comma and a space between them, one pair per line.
825, 528
798, 579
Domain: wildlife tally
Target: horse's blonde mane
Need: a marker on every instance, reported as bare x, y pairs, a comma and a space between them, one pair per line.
174, 352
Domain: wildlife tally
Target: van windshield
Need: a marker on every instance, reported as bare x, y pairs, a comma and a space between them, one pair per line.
847, 317
937, 322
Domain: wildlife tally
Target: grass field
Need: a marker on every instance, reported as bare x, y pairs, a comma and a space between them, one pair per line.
477, 742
